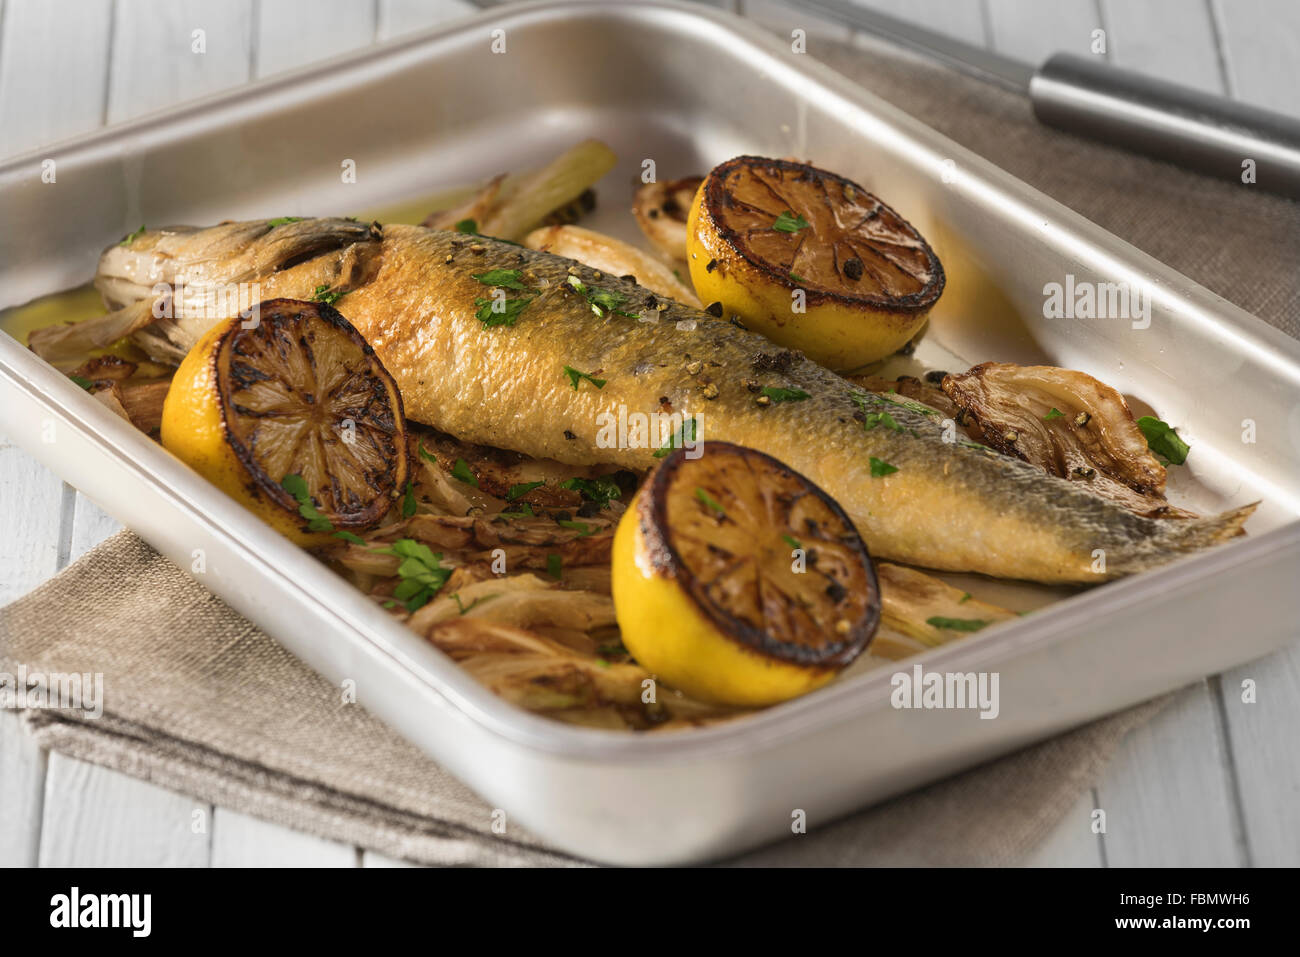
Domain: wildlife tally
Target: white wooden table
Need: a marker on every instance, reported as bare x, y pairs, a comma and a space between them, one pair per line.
1212, 781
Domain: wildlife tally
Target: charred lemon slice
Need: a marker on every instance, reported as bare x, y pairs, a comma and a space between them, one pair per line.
298, 394
760, 229
738, 581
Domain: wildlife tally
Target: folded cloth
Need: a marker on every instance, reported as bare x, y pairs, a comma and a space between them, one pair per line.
198, 700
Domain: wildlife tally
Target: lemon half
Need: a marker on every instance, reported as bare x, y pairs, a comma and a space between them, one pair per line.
738, 581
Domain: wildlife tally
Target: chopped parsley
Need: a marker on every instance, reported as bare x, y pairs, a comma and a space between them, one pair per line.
582, 528
602, 301
132, 237
523, 488
350, 537
575, 377
798, 279
81, 381
324, 294
426, 454
283, 219
710, 502
778, 394
507, 315
874, 419
788, 222
679, 439
1163, 441
601, 490
501, 278
555, 566
957, 624
880, 469
296, 486
468, 226
408, 501
964, 598
421, 572
461, 471
524, 511
1053, 413
791, 541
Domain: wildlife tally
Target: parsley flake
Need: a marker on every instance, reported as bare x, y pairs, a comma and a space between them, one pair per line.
324, 294
1163, 441
778, 394
957, 624
500, 312
575, 377
601, 490
678, 439
462, 471
421, 572
296, 486
788, 222
501, 278
710, 502
523, 488
132, 237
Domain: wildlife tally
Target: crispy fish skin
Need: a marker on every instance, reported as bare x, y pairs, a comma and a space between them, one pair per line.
950, 505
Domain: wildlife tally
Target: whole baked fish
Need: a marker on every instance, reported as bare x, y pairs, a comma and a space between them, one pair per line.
505, 346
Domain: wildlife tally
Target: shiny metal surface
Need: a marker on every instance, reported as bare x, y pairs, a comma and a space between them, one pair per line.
440, 109
1189, 128
1092, 98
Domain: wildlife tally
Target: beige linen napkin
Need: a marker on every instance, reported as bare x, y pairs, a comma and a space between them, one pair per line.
198, 700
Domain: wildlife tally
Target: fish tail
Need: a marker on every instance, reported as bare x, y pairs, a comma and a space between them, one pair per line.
1178, 537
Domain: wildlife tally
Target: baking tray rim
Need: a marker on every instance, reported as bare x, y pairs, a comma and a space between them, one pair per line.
833, 704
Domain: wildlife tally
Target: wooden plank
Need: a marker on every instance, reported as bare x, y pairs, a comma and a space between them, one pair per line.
964, 21
22, 788
289, 34
90, 526
1170, 39
242, 841
406, 16
30, 532
1266, 759
94, 817
154, 61
1032, 31
53, 68
1260, 44
1166, 795
1073, 843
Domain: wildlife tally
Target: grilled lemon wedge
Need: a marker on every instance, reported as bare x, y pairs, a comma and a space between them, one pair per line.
738, 581
295, 418
759, 230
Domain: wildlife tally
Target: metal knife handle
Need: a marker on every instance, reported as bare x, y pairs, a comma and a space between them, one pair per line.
1209, 133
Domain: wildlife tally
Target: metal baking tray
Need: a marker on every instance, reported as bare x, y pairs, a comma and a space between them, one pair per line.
689, 87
